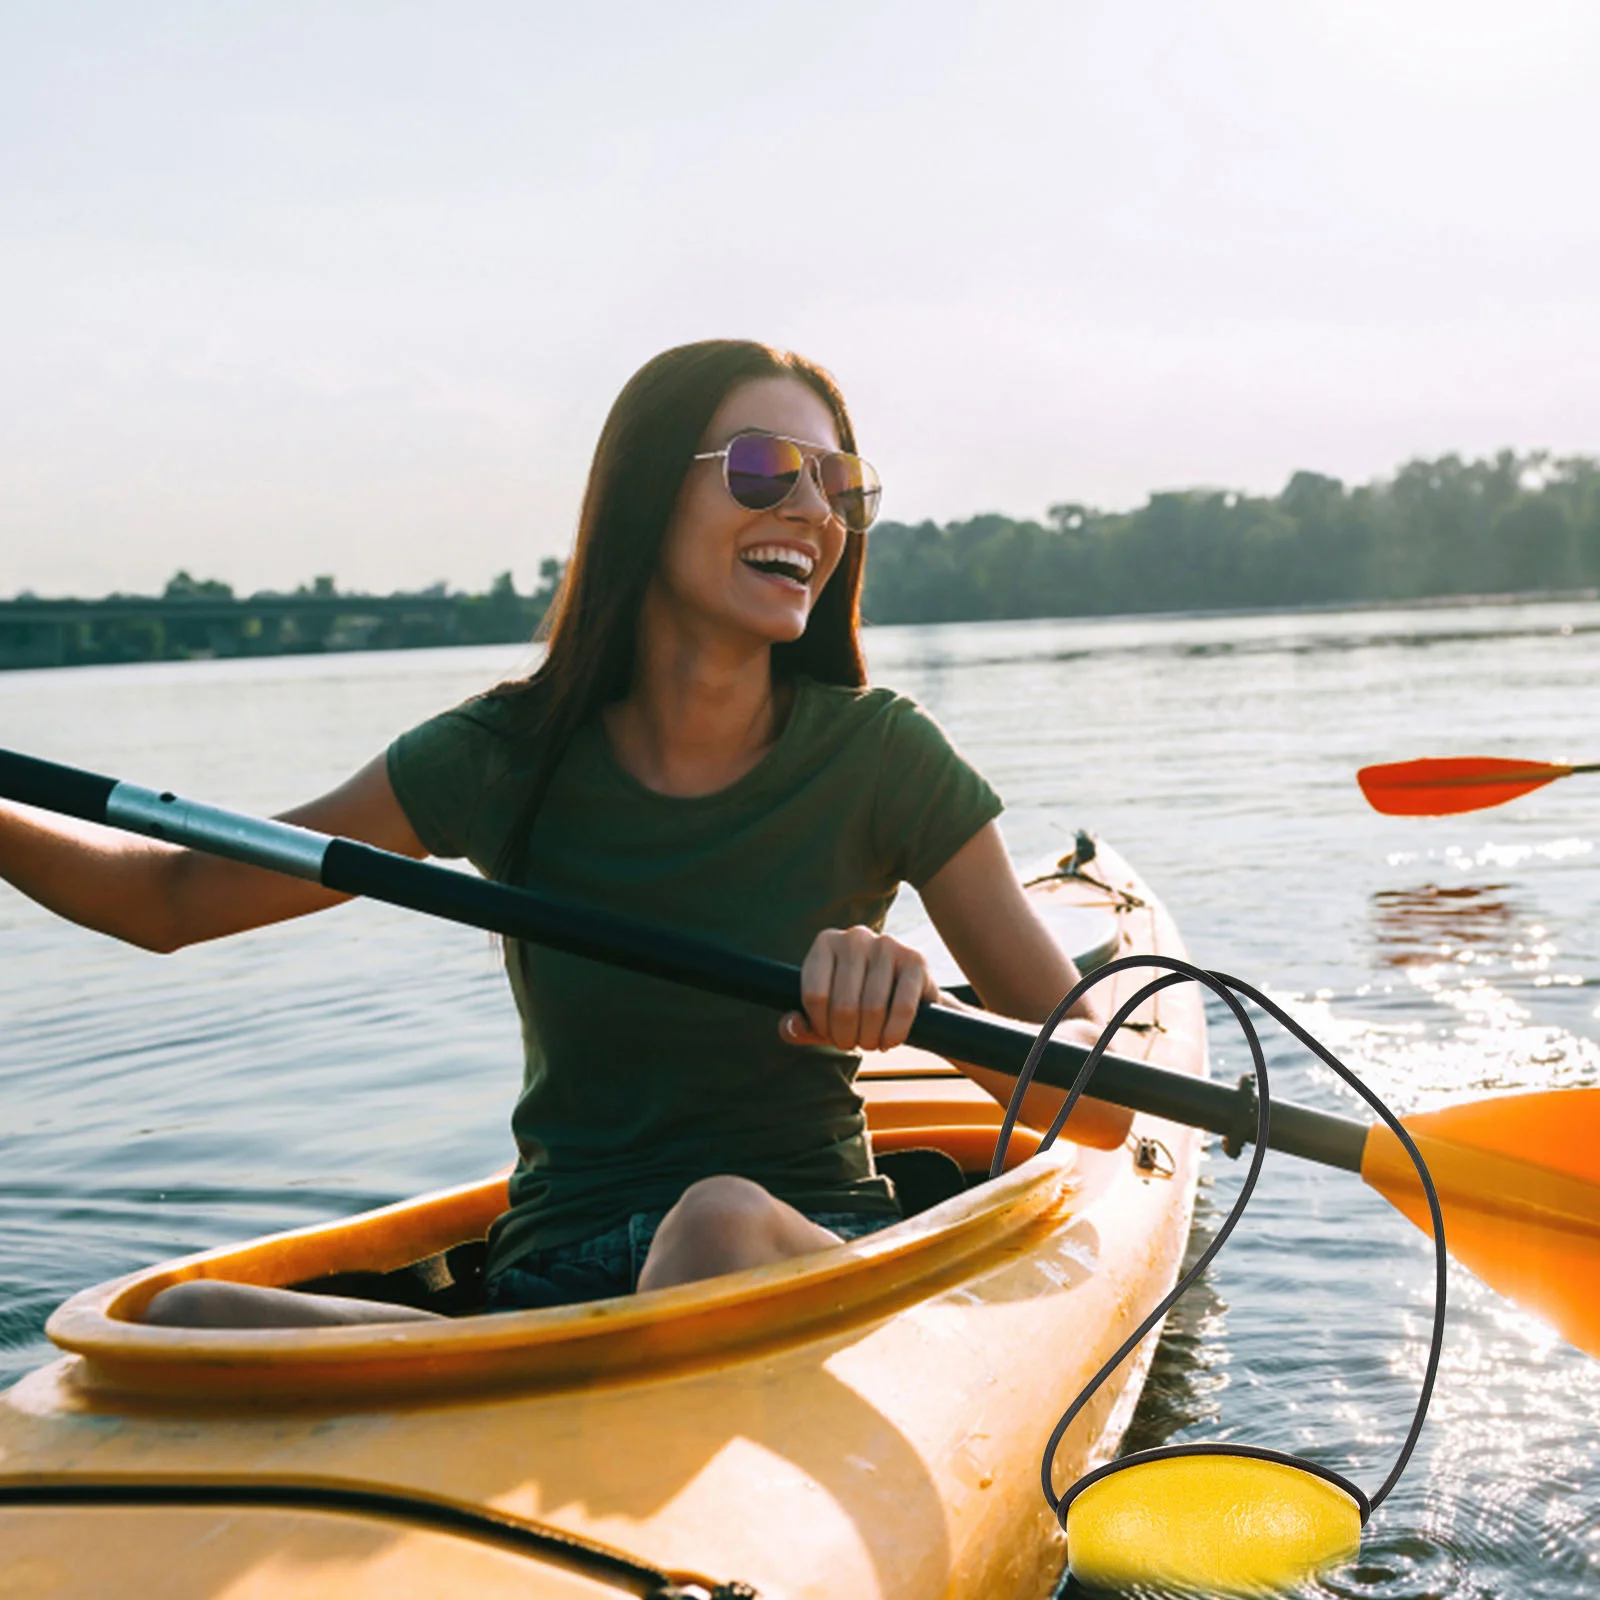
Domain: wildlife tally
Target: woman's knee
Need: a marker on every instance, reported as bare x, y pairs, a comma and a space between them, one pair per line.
198, 1304
723, 1206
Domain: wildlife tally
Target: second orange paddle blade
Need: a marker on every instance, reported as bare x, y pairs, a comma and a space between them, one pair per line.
1443, 787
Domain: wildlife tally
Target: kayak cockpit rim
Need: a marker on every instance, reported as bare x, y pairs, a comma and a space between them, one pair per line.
834, 1289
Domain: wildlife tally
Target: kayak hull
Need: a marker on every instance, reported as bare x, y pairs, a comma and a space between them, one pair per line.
864, 1421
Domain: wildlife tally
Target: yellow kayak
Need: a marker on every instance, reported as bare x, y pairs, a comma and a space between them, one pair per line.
866, 1421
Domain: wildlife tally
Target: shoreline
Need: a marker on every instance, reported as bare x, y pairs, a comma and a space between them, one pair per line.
336, 646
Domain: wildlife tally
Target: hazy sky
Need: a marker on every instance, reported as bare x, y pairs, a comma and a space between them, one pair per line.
289, 289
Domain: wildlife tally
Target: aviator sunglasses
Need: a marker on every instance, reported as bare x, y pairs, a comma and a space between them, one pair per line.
762, 470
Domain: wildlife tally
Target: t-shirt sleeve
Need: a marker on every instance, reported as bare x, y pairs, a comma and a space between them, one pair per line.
930, 800
440, 771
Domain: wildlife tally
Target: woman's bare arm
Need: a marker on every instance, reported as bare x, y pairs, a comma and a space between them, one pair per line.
861, 989
988, 924
161, 897
984, 916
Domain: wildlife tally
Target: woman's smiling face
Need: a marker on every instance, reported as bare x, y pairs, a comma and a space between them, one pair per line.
707, 572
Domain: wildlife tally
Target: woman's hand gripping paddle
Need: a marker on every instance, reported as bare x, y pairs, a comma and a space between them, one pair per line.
1447, 785
1518, 1177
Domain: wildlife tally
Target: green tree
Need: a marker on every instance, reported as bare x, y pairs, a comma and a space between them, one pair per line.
180, 586
1443, 527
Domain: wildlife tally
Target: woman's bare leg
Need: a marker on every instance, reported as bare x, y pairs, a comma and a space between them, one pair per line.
726, 1224
719, 1225
210, 1303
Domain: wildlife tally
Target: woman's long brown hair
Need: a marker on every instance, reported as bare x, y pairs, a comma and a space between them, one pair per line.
646, 448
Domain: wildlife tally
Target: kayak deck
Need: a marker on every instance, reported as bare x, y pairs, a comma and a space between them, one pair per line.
866, 1420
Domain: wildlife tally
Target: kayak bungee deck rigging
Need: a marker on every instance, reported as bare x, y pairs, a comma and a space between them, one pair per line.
866, 1420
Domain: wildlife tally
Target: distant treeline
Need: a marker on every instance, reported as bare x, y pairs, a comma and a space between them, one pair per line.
202, 619
1514, 524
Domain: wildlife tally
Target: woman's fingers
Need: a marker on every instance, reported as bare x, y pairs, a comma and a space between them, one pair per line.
877, 991
810, 1024
795, 1029
860, 991
852, 953
913, 985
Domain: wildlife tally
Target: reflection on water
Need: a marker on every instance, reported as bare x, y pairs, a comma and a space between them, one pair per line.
1430, 923
1189, 1371
157, 1106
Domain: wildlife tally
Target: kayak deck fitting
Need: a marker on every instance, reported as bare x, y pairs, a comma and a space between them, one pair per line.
863, 1421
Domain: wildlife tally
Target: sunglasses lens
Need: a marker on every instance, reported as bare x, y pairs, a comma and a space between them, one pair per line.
852, 489
762, 470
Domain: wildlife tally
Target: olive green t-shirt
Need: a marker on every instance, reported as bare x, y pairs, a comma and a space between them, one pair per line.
634, 1087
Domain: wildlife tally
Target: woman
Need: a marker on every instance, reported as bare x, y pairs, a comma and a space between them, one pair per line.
697, 749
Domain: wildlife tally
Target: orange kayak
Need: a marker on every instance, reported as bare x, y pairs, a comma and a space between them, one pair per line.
866, 1421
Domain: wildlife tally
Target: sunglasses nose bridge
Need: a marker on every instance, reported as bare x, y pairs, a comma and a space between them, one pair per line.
811, 476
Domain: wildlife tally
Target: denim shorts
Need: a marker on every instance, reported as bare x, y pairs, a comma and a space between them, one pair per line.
609, 1263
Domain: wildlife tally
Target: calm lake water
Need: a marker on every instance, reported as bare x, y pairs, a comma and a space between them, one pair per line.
151, 1107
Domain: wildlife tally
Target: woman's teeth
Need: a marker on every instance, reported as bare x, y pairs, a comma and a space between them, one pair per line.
779, 561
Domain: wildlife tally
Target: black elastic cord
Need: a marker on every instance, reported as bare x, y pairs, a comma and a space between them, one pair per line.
1124, 964
1149, 991
1224, 987
1435, 1216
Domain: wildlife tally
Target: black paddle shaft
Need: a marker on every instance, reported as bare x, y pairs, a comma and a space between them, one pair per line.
349, 867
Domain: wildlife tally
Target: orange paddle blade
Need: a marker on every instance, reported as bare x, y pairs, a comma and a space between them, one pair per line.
1519, 1184
1440, 788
